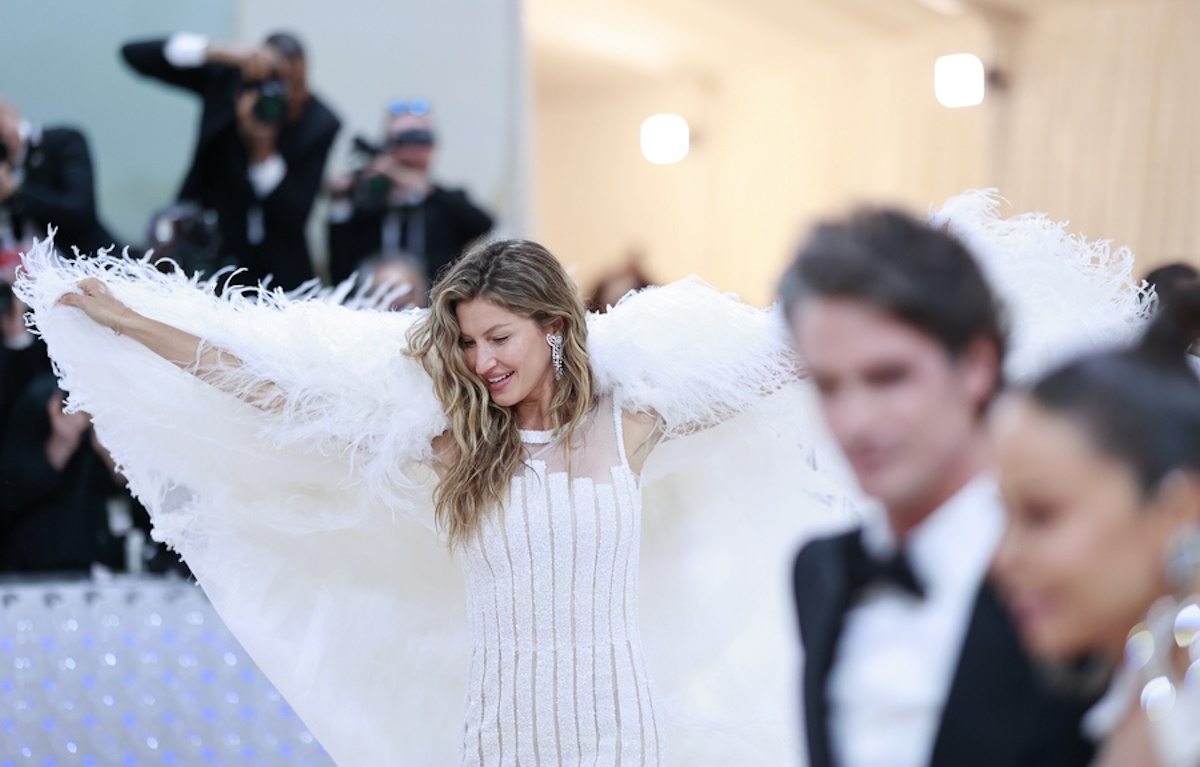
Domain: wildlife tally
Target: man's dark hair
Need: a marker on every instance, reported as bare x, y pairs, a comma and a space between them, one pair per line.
287, 44
920, 275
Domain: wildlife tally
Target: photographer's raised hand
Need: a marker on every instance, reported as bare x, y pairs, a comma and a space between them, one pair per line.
407, 180
259, 64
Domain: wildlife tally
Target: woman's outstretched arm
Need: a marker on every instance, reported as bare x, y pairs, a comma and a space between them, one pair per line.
188, 351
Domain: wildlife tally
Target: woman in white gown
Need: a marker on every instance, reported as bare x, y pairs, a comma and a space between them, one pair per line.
538, 490
299, 501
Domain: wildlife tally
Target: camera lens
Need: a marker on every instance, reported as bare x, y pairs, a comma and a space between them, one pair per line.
271, 107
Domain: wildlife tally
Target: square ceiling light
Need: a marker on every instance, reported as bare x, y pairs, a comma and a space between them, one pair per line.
958, 80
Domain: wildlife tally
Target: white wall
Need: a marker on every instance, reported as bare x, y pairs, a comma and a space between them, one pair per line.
60, 63
1105, 124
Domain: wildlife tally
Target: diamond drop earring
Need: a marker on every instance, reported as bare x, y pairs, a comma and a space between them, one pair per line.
556, 353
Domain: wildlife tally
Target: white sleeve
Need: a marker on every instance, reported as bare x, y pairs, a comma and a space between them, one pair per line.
266, 175
185, 50
1062, 294
691, 354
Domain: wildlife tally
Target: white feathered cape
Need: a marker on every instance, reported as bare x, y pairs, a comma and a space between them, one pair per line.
311, 528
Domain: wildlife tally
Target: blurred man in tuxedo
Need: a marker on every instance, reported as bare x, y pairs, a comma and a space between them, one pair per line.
262, 145
46, 178
910, 659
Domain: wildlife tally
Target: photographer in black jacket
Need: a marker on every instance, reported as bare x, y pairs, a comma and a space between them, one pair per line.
391, 204
46, 178
262, 145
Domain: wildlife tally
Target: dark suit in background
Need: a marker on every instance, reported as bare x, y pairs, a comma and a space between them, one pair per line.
436, 230
266, 236
996, 714
58, 188
52, 520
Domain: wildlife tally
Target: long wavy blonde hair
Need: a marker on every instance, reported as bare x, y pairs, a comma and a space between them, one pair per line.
524, 278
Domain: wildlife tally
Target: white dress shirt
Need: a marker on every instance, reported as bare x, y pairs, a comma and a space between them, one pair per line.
897, 654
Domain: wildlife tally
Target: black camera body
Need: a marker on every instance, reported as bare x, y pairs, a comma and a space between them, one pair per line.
3, 152
188, 235
271, 107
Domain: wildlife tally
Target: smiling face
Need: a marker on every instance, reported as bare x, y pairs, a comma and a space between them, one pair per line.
509, 353
1082, 559
904, 412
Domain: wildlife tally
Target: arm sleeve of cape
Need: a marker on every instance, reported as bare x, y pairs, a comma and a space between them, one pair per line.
307, 524
693, 355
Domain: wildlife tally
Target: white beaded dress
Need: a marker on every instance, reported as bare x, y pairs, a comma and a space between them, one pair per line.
310, 525
557, 673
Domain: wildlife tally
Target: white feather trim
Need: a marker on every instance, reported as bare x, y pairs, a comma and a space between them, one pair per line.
691, 354
1063, 294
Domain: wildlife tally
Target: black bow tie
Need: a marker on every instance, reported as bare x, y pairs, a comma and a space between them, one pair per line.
863, 570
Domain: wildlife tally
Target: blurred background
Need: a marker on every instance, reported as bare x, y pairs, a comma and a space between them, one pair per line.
794, 109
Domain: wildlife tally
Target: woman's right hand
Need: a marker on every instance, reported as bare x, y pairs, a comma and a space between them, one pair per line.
98, 303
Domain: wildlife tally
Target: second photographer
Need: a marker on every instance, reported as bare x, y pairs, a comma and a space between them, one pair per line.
391, 205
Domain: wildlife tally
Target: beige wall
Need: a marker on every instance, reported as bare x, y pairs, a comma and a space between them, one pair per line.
1105, 124
1099, 126
774, 149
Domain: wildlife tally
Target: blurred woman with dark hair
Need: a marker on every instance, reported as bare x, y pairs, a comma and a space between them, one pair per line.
1100, 467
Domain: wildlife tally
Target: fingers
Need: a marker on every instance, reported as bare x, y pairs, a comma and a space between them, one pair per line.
89, 287
259, 64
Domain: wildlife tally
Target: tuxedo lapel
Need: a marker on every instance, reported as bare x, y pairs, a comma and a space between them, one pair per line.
822, 592
997, 714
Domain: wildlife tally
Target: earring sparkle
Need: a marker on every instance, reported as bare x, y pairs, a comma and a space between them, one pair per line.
556, 353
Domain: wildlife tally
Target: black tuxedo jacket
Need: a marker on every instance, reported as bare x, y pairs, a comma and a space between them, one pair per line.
449, 221
218, 177
59, 189
996, 715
